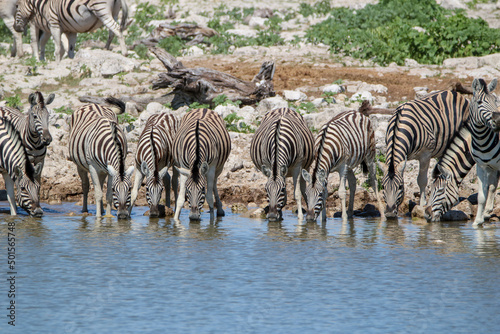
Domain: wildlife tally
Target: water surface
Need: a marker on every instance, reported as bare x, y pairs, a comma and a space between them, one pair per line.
238, 275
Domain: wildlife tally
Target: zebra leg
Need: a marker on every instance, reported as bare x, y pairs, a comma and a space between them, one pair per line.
210, 191
107, 19
422, 178
71, 44
372, 170
96, 180
490, 200
11, 197
342, 174
297, 190
44, 38
17, 46
109, 194
135, 189
351, 178
323, 212
181, 197
166, 184
56, 34
85, 187
482, 177
35, 38
175, 182
218, 203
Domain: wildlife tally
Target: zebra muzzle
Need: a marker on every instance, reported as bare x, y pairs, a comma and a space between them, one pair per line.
495, 121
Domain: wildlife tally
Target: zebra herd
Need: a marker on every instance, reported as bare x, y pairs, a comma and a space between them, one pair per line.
460, 132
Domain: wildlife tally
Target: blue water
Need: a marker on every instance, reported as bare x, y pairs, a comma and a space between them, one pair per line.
238, 275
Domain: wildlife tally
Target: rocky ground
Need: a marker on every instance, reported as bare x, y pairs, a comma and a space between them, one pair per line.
302, 74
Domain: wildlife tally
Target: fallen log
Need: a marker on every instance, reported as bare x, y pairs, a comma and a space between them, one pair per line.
192, 33
202, 85
367, 109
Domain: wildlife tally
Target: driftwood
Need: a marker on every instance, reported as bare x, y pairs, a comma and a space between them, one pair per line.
202, 85
367, 109
192, 33
458, 87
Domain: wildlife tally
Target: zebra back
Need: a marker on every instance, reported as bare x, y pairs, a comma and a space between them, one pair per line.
449, 173
15, 162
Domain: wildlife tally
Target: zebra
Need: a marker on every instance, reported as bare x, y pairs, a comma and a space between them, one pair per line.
201, 148
33, 127
7, 14
97, 145
70, 17
484, 126
343, 143
421, 130
449, 173
282, 146
153, 158
17, 169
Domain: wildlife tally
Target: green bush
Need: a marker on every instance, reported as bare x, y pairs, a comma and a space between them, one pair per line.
394, 30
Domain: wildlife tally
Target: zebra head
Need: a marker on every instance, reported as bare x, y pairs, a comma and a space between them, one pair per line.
484, 108
39, 117
394, 189
27, 191
276, 191
24, 13
154, 187
122, 185
195, 188
444, 194
315, 193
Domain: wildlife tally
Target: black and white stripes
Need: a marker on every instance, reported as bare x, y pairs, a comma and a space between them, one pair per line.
421, 130
342, 144
17, 169
282, 146
70, 17
201, 148
97, 145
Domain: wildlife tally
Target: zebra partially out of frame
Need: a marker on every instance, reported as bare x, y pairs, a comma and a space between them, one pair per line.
343, 143
97, 145
55, 17
7, 14
16, 169
33, 127
484, 126
421, 130
201, 148
448, 174
282, 146
153, 158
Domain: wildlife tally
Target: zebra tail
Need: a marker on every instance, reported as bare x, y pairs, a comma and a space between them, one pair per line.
118, 106
123, 23
365, 167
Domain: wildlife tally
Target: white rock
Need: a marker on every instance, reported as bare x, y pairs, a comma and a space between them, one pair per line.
242, 32
333, 89
194, 51
467, 62
103, 63
411, 63
362, 95
223, 111
257, 22
271, 103
293, 95
246, 51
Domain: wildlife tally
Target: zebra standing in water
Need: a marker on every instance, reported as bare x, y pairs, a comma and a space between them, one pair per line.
343, 143
419, 129
153, 158
33, 128
484, 126
70, 17
16, 168
449, 173
282, 146
97, 145
201, 148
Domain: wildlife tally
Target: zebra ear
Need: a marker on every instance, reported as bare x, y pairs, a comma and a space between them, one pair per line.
50, 99
183, 171
283, 170
266, 170
477, 86
163, 172
33, 98
18, 171
306, 176
204, 168
145, 169
111, 171
321, 175
492, 85
129, 171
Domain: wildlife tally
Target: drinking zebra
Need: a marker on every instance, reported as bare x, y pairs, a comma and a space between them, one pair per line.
201, 147
153, 158
343, 143
17, 169
421, 130
97, 145
484, 126
448, 174
282, 146
70, 17
33, 127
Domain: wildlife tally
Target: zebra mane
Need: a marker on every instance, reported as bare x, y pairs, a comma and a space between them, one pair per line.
195, 172
390, 156
276, 148
153, 153
121, 156
12, 131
